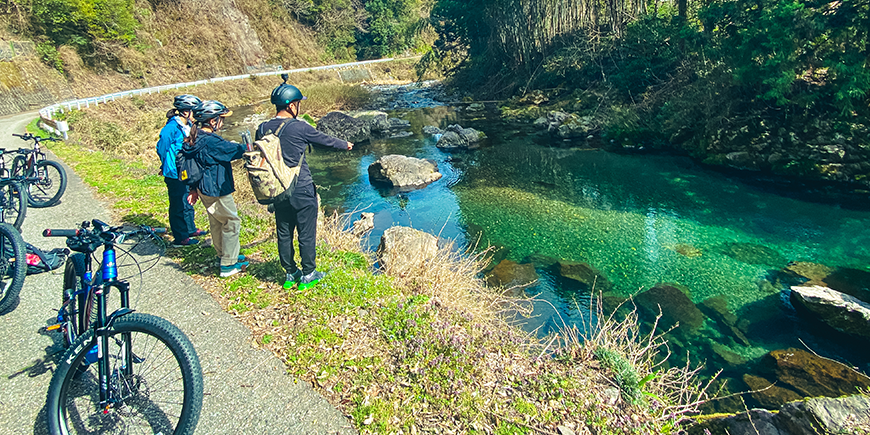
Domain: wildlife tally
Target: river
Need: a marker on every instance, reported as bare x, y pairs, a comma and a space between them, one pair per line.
639, 219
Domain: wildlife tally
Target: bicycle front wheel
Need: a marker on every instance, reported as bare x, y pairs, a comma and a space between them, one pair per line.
78, 306
13, 265
13, 205
154, 382
49, 185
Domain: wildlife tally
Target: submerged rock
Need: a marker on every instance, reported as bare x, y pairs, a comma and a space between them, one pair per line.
768, 395
676, 308
853, 282
584, 274
344, 127
811, 375
687, 250
405, 173
814, 272
754, 254
716, 308
838, 310
509, 274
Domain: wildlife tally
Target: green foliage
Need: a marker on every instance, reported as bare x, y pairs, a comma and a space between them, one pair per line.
92, 26
624, 374
392, 27
48, 53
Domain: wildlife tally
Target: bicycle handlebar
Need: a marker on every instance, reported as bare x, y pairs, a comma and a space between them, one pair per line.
31, 136
60, 233
142, 229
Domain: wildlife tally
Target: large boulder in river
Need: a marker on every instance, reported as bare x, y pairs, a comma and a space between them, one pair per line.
822, 415
345, 127
404, 173
838, 310
675, 306
811, 375
380, 123
455, 137
404, 248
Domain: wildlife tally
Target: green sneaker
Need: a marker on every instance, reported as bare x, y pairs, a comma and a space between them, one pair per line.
308, 281
292, 279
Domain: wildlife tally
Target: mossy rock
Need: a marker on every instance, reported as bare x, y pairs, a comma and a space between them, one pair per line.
676, 307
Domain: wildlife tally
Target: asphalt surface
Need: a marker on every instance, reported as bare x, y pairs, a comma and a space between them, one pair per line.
247, 390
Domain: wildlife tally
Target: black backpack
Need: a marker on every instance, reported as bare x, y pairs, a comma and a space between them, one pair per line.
39, 261
189, 164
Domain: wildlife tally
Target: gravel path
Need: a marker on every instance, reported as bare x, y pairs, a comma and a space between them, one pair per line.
247, 390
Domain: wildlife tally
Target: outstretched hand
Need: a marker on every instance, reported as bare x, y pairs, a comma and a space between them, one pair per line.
192, 197
349, 145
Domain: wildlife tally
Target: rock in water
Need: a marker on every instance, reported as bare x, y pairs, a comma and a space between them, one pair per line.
345, 127
840, 311
404, 248
404, 173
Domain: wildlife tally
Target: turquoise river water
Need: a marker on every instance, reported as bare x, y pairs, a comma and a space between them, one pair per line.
639, 219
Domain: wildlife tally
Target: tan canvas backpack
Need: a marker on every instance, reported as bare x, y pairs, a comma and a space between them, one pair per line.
270, 177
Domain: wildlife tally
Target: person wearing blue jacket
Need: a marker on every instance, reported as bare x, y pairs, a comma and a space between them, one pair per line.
216, 187
172, 136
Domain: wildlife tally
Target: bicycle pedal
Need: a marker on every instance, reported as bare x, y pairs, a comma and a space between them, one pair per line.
53, 327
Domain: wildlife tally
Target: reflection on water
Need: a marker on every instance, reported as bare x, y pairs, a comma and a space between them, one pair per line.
639, 220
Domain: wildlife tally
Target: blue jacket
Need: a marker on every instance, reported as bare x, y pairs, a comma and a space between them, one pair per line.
171, 138
216, 154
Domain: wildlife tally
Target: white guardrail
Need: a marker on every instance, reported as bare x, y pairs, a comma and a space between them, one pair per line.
48, 112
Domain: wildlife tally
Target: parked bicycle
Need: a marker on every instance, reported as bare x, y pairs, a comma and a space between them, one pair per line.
13, 265
45, 179
123, 371
13, 205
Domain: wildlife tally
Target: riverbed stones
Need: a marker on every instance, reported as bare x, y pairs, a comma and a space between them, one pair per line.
688, 251
345, 127
455, 137
404, 173
814, 272
512, 274
566, 125
676, 308
811, 375
853, 282
840, 311
584, 274
403, 248
431, 130
716, 308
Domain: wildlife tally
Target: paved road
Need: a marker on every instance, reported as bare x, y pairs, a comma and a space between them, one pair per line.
246, 390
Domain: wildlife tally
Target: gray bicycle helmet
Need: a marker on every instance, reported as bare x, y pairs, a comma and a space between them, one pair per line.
186, 102
285, 94
210, 109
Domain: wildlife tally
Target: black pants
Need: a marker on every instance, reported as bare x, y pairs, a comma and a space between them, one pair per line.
180, 211
299, 213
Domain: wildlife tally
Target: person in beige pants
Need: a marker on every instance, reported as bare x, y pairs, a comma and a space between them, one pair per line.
216, 187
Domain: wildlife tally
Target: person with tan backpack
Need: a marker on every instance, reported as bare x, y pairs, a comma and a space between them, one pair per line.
296, 210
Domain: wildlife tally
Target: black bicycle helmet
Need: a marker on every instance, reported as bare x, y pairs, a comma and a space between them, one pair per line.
285, 94
210, 109
186, 102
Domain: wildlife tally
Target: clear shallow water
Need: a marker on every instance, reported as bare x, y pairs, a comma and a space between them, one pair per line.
627, 215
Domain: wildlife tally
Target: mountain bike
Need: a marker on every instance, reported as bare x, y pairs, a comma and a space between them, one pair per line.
46, 179
123, 371
13, 265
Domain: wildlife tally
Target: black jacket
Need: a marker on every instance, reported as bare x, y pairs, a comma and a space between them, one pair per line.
216, 155
295, 138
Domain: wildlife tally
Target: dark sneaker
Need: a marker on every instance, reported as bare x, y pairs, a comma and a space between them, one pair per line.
234, 269
186, 242
292, 279
308, 281
199, 233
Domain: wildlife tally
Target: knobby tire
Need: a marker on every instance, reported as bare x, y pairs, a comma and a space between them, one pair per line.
162, 395
13, 265
51, 185
14, 204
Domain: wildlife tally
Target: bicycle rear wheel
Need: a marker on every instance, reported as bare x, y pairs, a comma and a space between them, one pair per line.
155, 382
13, 266
49, 186
13, 205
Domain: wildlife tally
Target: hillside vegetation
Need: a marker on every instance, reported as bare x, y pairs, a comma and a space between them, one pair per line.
770, 85
107, 45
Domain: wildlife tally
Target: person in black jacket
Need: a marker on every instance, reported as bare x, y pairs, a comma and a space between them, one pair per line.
297, 210
217, 186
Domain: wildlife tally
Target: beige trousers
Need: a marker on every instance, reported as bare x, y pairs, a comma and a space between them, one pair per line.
225, 225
